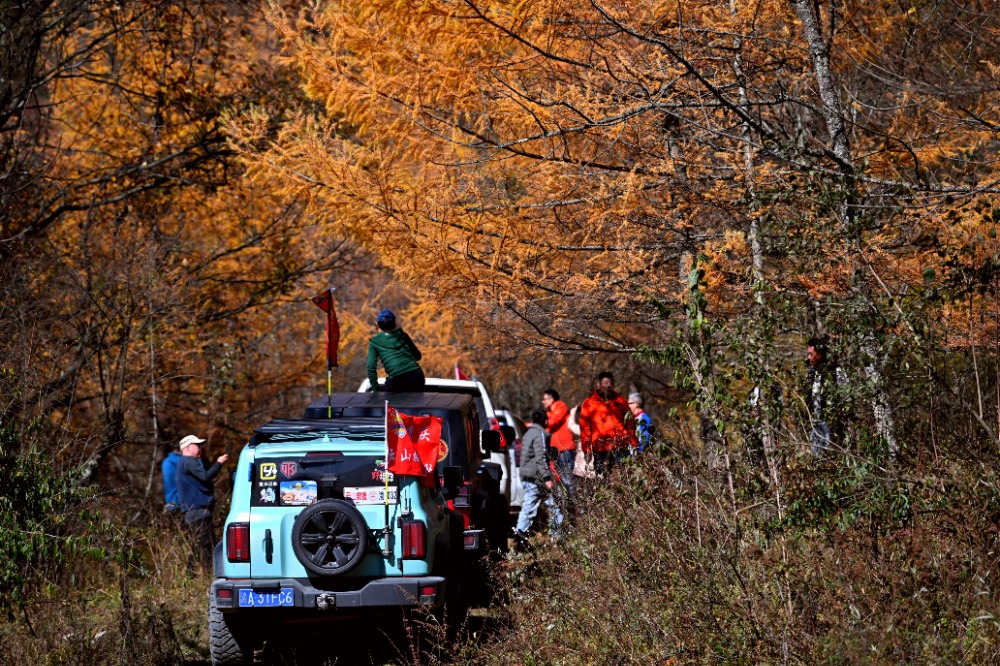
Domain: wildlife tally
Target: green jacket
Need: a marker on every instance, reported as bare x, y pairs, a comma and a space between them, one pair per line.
397, 351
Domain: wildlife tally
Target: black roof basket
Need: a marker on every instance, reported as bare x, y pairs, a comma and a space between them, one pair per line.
347, 405
292, 429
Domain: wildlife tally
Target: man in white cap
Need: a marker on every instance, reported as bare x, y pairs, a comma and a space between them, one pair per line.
197, 496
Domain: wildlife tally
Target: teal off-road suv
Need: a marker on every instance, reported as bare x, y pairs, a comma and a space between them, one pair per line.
317, 531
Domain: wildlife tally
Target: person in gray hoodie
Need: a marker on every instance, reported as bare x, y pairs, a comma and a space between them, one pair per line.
536, 479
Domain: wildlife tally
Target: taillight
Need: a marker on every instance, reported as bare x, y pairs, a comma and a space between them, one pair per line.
238, 542
463, 499
320, 455
463, 503
414, 540
494, 423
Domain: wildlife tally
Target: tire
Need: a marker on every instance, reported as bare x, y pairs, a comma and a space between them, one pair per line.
456, 600
228, 639
330, 537
498, 526
449, 564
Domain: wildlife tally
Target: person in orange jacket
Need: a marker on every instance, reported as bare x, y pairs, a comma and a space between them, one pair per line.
557, 414
603, 428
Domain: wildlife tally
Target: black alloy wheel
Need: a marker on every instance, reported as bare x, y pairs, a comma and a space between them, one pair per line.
330, 537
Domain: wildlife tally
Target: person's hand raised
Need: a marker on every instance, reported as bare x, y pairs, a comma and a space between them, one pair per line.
223, 458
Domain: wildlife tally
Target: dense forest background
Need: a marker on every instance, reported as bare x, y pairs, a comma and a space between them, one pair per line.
682, 192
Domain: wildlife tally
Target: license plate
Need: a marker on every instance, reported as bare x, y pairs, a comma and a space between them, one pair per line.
251, 599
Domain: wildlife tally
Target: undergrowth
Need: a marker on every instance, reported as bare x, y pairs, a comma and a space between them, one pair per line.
857, 558
867, 561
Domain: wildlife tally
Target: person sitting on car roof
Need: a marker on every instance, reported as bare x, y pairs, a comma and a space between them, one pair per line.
398, 354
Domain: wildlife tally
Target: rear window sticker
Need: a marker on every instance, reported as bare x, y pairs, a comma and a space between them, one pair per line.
297, 493
268, 471
370, 495
289, 469
267, 495
378, 474
442, 450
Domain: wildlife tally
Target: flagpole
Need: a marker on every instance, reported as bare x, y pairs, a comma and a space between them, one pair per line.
329, 357
324, 301
386, 550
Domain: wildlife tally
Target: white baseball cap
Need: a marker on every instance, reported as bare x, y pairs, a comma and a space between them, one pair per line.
190, 439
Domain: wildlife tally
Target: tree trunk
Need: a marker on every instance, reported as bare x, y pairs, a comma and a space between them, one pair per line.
833, 112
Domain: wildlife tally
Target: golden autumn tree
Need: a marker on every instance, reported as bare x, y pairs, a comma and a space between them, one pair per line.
705, 184
555, 171
148, 290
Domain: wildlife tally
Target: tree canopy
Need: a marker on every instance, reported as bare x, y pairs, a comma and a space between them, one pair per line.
683, 191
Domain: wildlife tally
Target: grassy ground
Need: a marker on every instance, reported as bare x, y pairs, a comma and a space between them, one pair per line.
672, 561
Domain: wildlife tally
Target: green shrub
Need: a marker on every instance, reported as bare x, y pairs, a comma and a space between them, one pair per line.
44, 521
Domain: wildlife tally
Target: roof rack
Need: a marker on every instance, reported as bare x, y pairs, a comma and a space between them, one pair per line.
291, 429
352, 405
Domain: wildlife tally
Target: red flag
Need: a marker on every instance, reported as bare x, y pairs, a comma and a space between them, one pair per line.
325, 303
413, 442
458, 372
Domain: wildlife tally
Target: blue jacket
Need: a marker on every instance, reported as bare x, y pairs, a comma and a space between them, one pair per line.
194, 483
642, 423
169, 468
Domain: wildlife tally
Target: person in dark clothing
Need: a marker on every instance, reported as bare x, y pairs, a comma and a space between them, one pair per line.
398, 354
823, 379
196, 495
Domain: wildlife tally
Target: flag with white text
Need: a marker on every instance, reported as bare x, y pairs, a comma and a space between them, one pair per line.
414, 442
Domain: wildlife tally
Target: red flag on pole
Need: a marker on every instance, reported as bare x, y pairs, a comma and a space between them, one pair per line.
325, 303
458, 372
413, 443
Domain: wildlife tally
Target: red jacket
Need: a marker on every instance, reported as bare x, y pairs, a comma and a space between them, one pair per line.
558, 427
602, 424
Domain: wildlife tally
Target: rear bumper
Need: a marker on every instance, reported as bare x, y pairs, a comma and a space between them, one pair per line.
381, 593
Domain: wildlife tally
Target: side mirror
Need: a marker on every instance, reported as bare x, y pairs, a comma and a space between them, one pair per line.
452, 481
509, 434
491, 441
453, 477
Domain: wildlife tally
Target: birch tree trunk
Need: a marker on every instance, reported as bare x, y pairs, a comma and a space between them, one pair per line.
833, 113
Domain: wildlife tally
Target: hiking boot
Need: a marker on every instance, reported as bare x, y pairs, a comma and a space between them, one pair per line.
521, 542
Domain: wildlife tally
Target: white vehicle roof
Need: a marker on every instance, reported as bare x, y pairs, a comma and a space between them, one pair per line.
472, 387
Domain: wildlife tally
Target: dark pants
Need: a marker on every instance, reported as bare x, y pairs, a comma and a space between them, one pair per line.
202, 535
407, 382
564, 465
604, 461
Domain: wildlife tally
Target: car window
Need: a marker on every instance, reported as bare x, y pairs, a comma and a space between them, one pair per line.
508, 418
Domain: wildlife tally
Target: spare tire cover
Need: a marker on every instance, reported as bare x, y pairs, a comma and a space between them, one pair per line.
330, 537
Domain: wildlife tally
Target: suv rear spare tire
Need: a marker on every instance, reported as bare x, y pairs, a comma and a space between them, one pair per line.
330, 537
